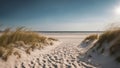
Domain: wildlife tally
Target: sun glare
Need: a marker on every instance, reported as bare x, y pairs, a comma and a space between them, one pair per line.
117, 10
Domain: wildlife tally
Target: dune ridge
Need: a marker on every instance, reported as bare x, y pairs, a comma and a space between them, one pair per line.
105, 50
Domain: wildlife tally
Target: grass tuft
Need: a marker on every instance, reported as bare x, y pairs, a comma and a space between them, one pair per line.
108, 36
52, 39
112, 38
21, 38
92, 37
115, 48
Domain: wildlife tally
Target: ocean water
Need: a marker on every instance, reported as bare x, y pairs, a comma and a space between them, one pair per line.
70, 32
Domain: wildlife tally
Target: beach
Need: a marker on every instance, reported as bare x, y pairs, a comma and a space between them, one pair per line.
65, 53
60, 34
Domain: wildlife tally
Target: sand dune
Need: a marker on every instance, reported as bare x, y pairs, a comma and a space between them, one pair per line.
99, 53
63, 54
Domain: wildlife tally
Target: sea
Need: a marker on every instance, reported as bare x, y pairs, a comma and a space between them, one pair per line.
70, 31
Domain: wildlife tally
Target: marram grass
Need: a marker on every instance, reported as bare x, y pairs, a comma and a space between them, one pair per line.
21, 38
91, 37
112, 38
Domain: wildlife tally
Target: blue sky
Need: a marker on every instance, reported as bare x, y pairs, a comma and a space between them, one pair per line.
58, 15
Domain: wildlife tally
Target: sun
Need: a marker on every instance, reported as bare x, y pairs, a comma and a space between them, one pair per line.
117, 10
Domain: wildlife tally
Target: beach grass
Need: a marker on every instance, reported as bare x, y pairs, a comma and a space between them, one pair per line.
91, 37
21, 38
109, 36
112, 38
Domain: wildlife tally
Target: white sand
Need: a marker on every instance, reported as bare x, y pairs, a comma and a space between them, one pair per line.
63, 54
94, 56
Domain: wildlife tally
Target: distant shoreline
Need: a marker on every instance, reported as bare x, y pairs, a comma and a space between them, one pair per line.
70, 31
66, 31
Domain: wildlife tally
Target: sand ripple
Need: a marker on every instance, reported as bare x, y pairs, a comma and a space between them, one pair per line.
65, 55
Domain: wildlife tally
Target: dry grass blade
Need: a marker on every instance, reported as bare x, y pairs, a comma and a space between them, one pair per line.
22, 36
91, 37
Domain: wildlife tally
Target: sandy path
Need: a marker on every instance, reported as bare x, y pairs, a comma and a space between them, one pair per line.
65, 55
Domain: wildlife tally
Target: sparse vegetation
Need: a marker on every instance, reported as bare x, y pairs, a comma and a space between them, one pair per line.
112, 38
108, 36
52, 39
115, 48
91, 37
21, 38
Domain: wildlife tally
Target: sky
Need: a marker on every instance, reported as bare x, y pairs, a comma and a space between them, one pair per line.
59, 15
